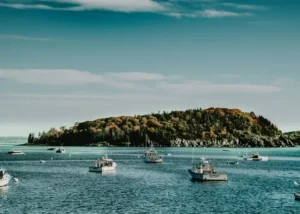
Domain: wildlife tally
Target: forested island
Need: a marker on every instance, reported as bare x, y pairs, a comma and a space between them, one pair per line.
212, 127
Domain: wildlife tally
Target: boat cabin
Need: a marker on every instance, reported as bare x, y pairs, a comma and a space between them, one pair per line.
2, 173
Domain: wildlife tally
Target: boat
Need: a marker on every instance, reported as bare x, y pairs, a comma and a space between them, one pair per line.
168, 154
4, 178
103, 164
61, 150
256, 157
297, 196
42, 161
51, 149
226, 150
15, 152
151, 156
205, 171
232, 162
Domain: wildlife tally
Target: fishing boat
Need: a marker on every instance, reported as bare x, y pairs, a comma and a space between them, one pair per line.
297, 196
4, 178
151, 156
15, 152
103, 164
256, 157
205, 171
61, 150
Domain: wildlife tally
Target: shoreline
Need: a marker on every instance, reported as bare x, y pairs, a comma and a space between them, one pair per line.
225, 148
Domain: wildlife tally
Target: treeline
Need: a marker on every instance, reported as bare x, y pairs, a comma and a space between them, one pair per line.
161, 128
293, 136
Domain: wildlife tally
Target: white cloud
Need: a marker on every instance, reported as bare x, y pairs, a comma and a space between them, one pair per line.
169, 8
220, 14
245, 6
136, 76
77, 97
113, 5
76, 77
27, 6
129, 80
199, 87
208, 14
117, 5
20, 37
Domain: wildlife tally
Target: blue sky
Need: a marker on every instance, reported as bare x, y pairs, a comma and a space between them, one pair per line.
63, 61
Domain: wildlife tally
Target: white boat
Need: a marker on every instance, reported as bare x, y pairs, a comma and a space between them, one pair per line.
15, 152
61, 150
256, 157
151, 156
204, 171
42, 161
104, 164
4, 178
297, 196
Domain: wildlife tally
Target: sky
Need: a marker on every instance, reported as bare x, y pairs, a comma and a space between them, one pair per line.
66, 61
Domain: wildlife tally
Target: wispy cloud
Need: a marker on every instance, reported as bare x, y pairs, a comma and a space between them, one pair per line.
20, 37
220, 14
155, 82
76, 96
200, 87
169, 8
79, 5
76, 77
245, 6
117, 5
28, 6
208, 14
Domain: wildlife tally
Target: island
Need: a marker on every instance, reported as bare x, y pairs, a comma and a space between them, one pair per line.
212, 127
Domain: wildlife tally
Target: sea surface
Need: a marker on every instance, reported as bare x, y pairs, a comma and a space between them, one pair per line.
63, 184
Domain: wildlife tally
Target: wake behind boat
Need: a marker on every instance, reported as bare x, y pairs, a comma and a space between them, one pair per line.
204, 171
61, 150
15, 152
4, 178
103, 165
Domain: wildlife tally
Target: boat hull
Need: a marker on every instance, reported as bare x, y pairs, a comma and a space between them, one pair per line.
15, 153
149, 160
208, 176
4, 181
262, 158
297, 196
103, 169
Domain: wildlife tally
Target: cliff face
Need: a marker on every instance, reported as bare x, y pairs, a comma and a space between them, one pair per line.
217, 127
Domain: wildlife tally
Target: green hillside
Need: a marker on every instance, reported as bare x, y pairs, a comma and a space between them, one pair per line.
215, 127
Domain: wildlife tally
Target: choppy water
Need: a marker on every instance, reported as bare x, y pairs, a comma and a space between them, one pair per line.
64, 185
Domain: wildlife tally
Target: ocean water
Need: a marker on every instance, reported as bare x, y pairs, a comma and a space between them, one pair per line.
63, 184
